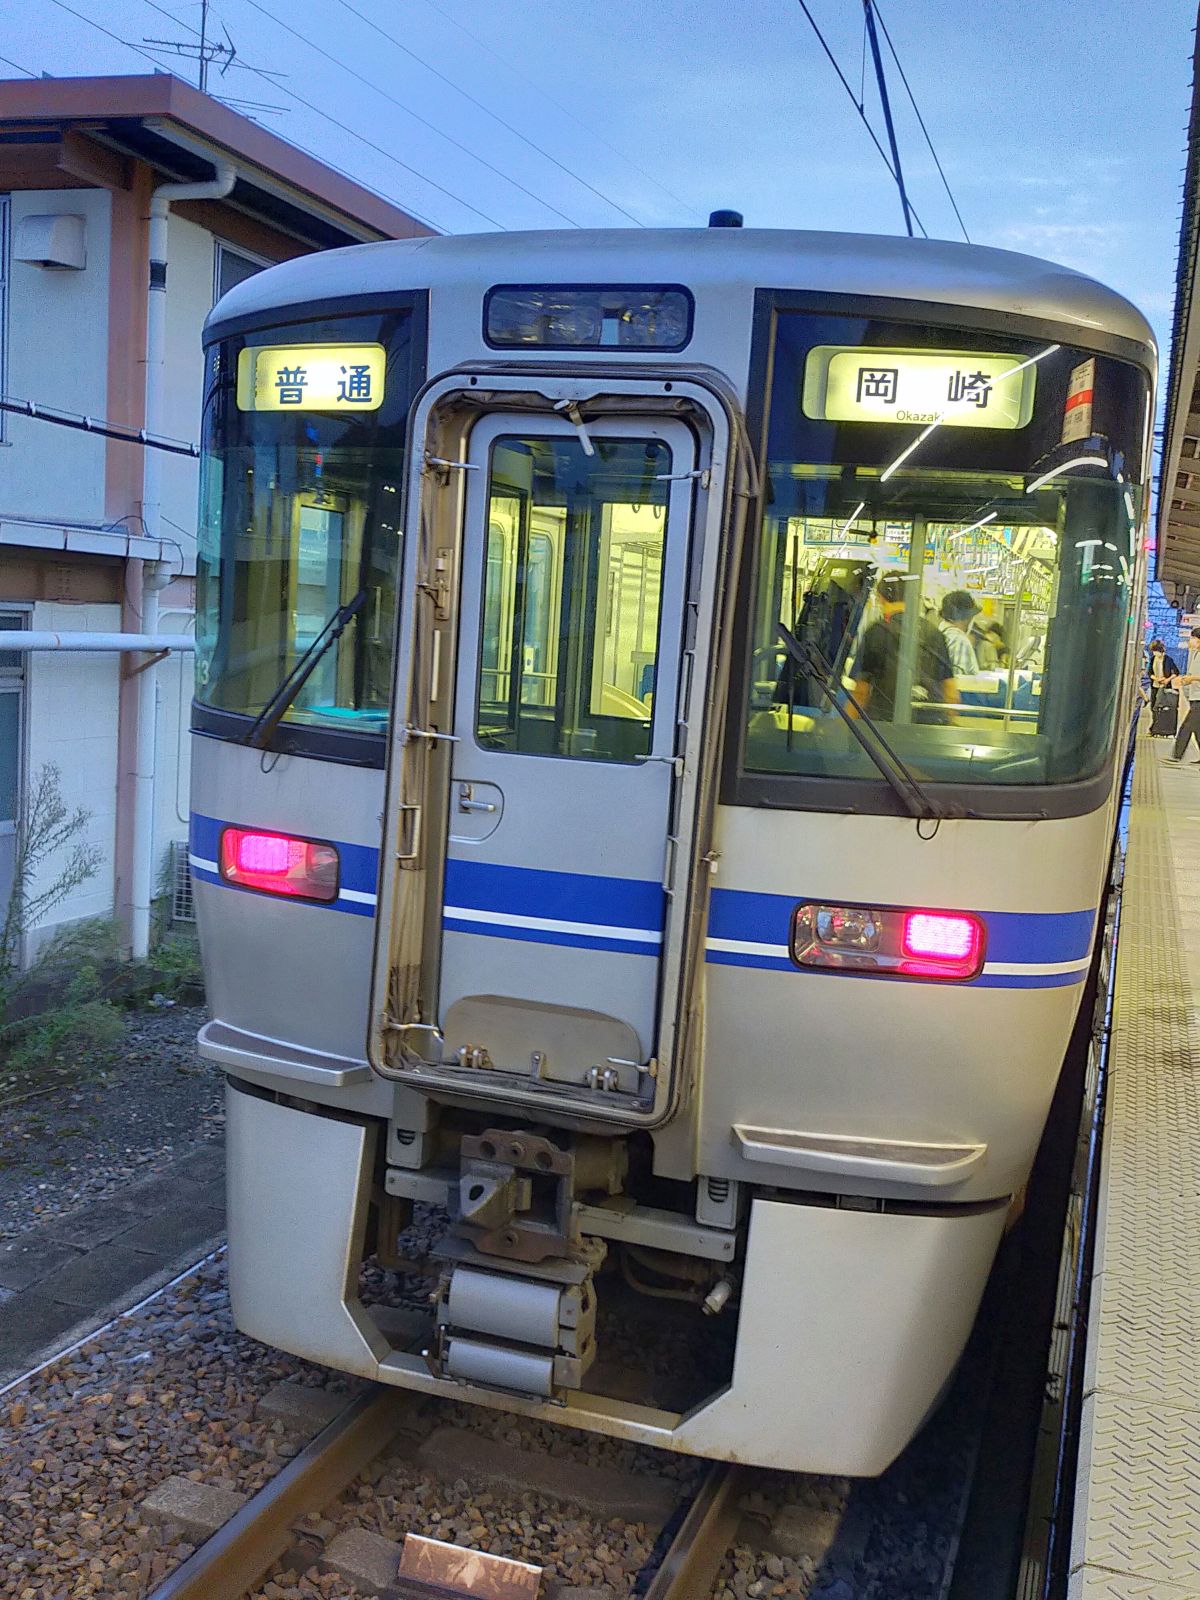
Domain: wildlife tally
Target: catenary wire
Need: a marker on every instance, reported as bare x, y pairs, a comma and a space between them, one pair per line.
16, 66
92, 23
408, 111
558, 105
326, 116
861, 113
912, 97
516, 132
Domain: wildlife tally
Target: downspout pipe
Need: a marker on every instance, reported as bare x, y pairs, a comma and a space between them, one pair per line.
215, 188
155, 575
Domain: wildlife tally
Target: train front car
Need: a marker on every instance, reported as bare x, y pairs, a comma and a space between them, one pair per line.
655, 782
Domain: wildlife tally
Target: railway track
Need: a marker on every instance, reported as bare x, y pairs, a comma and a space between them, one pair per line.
390, 1461
239, 1555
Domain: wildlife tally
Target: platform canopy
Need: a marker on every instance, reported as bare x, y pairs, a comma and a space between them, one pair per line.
1179, 480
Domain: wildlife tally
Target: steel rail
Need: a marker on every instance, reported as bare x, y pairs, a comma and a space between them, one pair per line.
692, 1561
238, 1556
234, 1558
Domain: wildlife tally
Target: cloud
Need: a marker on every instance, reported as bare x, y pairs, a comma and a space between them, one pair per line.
1061, 239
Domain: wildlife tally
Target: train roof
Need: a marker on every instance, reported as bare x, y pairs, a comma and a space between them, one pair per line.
860, 264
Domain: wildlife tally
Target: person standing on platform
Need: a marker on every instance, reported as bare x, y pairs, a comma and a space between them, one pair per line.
1189, 682
1162, 669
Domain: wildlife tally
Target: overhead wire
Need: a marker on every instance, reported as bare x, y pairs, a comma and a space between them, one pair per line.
883, 156
328, 117
17, 67
408, 111
516, 132
558, 104
92, 23
913, 99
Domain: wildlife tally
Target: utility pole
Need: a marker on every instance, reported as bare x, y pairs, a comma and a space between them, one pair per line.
881, 80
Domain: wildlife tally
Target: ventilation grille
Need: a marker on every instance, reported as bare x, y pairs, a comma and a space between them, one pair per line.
183, 907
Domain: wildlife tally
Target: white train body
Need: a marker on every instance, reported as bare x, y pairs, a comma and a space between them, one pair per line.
628, 874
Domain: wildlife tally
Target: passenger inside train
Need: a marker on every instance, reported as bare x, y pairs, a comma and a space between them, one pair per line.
969, 593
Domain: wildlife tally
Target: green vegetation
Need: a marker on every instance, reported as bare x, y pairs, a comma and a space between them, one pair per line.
64, 1008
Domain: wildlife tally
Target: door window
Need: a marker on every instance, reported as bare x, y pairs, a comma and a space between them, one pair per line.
572, 597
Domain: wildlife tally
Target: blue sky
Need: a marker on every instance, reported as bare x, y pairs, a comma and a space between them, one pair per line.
1060, 125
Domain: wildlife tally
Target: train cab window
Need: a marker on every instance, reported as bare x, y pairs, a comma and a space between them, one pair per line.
304, 435
572, 594
945, 555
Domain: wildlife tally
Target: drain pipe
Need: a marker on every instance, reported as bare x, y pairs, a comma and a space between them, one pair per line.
214, 188
155, 575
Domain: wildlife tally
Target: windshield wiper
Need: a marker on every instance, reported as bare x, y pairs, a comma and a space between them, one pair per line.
269, 718
915, 799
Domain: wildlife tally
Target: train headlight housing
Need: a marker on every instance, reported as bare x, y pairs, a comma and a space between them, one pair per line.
278, 863
891, 941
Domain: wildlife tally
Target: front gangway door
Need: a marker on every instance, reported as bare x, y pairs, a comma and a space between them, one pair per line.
557, 874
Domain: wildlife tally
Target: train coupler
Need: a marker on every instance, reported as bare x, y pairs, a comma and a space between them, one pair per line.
532, 1333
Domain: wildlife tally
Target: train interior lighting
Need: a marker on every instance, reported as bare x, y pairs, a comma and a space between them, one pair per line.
1014, 541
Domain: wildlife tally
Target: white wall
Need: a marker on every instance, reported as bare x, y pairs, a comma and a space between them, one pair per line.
172, 745
58, 355
72, 722
190, 267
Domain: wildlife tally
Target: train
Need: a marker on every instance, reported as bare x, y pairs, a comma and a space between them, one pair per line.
660, 707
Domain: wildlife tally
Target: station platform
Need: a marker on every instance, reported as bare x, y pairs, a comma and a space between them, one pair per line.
1137, 1507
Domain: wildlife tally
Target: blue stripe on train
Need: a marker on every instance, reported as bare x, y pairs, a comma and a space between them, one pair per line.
1033, 937
578, 941
557, 896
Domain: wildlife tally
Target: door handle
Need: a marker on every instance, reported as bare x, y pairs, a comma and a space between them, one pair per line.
467, 802
411, 810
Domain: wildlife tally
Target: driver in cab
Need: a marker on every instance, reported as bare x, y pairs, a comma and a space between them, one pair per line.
934, 692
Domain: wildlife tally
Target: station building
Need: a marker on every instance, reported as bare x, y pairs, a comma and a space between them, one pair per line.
107, 271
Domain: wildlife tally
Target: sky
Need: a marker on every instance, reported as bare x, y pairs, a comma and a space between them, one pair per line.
1060, 124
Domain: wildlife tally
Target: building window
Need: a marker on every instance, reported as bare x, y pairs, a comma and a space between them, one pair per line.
233, 267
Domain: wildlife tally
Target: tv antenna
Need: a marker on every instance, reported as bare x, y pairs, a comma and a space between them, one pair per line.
207, 52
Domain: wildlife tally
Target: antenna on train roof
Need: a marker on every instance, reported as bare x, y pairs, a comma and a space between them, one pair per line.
725, 219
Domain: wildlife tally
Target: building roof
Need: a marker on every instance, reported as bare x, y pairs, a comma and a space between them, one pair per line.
165, 122
1179, 475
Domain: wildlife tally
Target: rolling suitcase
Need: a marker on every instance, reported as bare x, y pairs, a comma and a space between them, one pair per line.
1166, 714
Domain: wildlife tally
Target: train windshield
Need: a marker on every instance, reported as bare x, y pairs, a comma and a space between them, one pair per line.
300, 515
946, 553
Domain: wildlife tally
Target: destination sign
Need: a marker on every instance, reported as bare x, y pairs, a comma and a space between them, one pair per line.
311, 377
956, 388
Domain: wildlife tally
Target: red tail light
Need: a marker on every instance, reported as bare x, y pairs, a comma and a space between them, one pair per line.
942, 944
889, 940
276, 863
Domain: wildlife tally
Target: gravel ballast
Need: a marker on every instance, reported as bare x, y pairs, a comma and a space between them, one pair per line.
169, 1390
172, 1391
119, 1117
